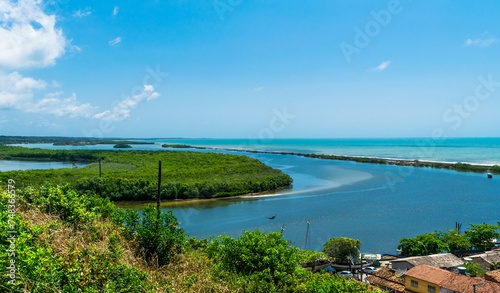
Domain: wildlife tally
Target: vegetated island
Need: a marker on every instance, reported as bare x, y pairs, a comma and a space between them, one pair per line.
122, 146
132, 175
461, 167
176, 146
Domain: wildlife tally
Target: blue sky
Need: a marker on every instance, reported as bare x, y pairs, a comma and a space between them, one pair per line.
239, 69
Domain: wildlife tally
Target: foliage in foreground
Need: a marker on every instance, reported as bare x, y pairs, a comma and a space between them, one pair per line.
264, 262
73, 242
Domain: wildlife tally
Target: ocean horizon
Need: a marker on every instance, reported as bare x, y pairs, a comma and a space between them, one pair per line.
480, 150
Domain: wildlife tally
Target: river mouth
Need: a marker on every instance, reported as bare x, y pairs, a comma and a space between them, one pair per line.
377, 204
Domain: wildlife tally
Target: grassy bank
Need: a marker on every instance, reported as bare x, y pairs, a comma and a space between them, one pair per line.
132, 175
72, 242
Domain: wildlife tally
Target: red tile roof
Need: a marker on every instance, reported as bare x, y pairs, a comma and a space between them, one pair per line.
451, 281
493, 276
387, 278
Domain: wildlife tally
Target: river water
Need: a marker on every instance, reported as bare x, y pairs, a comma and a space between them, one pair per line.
377, 204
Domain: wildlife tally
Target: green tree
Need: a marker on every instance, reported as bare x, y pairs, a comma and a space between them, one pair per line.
481, 235
455, 240
342, 249
494, 266
310, 257
474, 270
265, 256
424, 244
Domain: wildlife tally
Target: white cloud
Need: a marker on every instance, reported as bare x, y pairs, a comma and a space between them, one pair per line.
122, 110
258, 89
28, 36
53, 94
115, 41
82, 13
16, 90
382, 66
17, 93
62, 107
481, 42
115, 10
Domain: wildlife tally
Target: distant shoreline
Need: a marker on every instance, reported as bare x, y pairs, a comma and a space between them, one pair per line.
461, 167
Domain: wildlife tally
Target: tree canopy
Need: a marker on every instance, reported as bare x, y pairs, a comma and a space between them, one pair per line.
342, 249
481, 235
478, 237
424, 244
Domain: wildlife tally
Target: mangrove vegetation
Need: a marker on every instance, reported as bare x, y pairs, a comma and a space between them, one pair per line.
132, 175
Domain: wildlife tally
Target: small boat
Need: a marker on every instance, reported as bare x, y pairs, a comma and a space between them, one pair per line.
490, 176
272, 218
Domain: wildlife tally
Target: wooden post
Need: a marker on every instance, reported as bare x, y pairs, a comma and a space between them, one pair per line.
307, 232
100, 168
159, 190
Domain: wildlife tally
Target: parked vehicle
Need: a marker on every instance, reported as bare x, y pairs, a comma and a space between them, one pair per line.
370, 270
345, 274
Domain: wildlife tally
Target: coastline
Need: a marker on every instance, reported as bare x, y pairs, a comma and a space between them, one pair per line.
456, 166
177, 202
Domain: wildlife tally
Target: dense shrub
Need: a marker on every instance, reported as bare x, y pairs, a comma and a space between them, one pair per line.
159, 239
267, 256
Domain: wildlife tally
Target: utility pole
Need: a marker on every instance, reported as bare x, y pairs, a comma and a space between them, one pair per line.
159, 190
307, 232
100, 168
361, 266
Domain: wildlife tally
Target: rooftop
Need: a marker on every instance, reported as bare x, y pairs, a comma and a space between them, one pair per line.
387, 278
490, 256
493, 276
452, 281
442, 260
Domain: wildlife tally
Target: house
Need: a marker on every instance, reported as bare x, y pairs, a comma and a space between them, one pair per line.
493, 276
428, 279
484, 259
387, 280
444, 260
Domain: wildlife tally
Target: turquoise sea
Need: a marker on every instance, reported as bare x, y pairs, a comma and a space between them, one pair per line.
472, 150
378, 204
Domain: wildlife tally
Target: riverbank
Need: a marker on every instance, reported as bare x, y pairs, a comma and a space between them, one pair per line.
457, 166
179, 202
